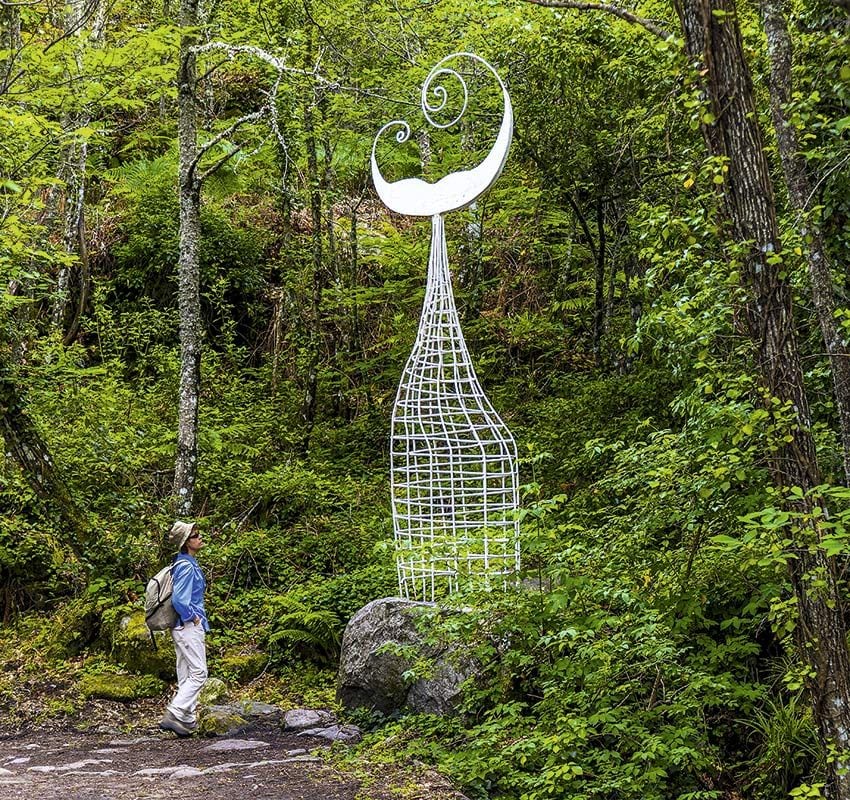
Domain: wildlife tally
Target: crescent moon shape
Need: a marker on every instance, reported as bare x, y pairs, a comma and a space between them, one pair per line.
417, 198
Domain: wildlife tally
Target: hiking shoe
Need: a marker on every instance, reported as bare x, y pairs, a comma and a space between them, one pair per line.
170, 723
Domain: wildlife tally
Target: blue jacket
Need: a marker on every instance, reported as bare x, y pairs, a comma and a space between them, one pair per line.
189, 585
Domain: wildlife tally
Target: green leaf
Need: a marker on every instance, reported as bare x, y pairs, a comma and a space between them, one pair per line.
833, 546
728, 542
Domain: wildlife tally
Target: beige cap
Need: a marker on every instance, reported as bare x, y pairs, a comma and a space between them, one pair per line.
180, 532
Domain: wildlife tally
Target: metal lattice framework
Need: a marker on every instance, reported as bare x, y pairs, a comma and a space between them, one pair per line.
454, 475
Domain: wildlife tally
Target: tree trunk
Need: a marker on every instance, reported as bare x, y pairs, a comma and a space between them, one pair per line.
423, 139
72, 285
311, 376
186, 467
774, 16
11, 42
332, 335
310, 379
594, 253
712, 37
30, 452
611, 292
356, 344
75, 291
599, 282
471, 267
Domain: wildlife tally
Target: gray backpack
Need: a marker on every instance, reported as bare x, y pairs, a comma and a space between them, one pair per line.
159, 613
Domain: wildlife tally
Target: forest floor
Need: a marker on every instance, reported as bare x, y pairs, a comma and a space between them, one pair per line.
115, 751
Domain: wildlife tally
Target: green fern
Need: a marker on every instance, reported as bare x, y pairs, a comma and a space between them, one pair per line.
136, 177
309, 632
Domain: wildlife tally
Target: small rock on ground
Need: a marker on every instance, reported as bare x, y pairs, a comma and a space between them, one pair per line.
300, 718
234, 744
347, 734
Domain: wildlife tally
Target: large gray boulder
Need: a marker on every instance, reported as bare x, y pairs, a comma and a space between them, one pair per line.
381, 643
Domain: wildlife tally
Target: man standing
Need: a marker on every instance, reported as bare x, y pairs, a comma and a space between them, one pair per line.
190, 633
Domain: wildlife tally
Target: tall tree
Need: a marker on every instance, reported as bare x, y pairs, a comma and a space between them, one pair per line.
314, 186
732, 134
73, 280
189, 299
193, 171
781, 52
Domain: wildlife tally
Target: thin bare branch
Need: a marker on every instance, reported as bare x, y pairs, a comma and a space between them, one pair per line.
225, 134
282, 67
263, 55
616, 11
822, 179
89, 11
220, 163
212, 70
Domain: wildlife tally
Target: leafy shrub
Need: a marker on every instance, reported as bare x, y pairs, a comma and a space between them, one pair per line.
587, 691
232, 267
31, 574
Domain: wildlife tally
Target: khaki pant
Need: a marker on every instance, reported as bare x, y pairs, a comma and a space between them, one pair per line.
190, 645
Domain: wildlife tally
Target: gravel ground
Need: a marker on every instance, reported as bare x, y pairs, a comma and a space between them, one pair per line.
115, 751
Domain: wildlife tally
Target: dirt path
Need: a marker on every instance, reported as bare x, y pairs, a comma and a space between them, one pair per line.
261, 763
115, 751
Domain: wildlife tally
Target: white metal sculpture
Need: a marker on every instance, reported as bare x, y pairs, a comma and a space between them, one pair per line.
454, 476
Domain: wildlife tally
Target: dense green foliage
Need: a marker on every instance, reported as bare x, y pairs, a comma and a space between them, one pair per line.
651, 653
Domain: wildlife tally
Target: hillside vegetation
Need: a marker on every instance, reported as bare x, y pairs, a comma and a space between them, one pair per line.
662, 330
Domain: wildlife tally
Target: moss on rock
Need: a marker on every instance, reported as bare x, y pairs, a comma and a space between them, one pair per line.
220, 721
112, 686
242, 667
131, 646
214, 691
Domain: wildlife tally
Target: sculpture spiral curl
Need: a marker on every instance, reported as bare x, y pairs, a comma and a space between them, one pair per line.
442, 92
418, 198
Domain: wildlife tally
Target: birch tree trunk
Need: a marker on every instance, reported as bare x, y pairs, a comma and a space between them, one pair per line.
191, 176
314, 179
189, 300
780, 50
72, 286
713, 38
73, 277
11, 42
73, 280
